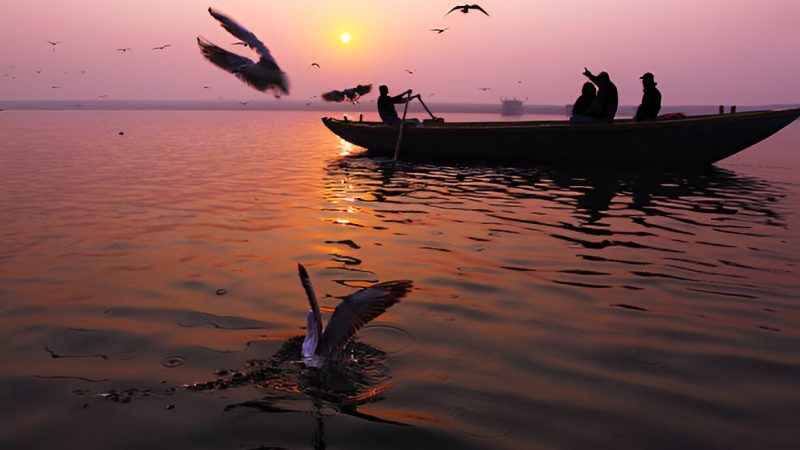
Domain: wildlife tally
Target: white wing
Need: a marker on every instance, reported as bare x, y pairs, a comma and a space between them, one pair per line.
243, 34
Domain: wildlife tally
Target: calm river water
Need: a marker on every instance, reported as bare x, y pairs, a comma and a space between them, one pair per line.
150, 296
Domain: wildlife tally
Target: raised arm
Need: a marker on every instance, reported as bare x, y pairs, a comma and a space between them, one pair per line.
589, 75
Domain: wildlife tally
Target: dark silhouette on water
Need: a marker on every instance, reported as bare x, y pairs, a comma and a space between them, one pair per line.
604, 106
386, 104
588, 94
466, 8
263, 75
651, 99
350, 94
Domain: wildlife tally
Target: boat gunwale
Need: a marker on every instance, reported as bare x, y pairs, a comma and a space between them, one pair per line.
558, 124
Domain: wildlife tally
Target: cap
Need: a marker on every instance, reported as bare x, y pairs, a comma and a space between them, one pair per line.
647, 76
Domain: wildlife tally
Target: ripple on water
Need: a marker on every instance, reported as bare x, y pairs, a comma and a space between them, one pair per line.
171, 362
392, 340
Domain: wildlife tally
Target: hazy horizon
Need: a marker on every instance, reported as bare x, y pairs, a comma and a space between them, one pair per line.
707, 52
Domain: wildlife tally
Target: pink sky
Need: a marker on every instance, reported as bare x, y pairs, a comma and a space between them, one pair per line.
701, 51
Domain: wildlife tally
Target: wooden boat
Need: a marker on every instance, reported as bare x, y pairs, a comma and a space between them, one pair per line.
686, 141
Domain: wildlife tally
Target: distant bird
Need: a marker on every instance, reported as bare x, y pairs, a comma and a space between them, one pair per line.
241, 43
162, 47
440, 30
206, 87
54, 44
356, 310
38, 70
465, 9
125, 49
313, 64
262, 75
410, 72
55, 87
103, 96
350, 94
244, 103
484, 89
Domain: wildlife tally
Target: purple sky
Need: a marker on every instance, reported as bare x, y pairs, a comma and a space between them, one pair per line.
701, 51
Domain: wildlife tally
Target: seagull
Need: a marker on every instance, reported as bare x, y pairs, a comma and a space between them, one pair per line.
162, 47
440, 30
54, 44
241, 43
262, 75
484, 89
351, 94
329, 344
313, 64
123, 50
103, 96
410, 72
465, 9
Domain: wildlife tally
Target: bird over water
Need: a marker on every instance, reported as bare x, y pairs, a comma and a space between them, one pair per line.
329, 344
263, 75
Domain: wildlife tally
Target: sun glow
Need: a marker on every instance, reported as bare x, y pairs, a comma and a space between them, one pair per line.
345, 37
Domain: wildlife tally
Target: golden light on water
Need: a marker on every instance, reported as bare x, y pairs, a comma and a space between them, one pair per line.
345, 37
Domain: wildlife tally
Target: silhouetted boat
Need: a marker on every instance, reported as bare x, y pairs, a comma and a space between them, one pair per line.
686, 141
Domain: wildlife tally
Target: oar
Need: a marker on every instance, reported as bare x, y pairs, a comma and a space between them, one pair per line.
419, 97
402, 123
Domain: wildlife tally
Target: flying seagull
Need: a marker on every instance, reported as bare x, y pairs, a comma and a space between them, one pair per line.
410, 72
262, 75
440, 30
465, 9
351, 94
123, 50
313, 64
161, 47
54, 44
355, 310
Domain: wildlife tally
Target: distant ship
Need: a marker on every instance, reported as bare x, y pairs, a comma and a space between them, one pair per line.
512, 107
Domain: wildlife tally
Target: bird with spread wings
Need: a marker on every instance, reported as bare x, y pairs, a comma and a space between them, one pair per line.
350, 94
465, 9
263, 75
328, 344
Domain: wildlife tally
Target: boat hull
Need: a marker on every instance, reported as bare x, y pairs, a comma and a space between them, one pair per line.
692, 141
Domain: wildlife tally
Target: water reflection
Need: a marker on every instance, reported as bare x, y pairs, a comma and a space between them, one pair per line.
589, 192
614, 228
289, 385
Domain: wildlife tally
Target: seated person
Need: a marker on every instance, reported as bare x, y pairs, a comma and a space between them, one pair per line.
651, 99
604, 106
587, 97
386, 105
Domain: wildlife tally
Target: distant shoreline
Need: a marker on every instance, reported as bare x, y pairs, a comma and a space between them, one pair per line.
222, 105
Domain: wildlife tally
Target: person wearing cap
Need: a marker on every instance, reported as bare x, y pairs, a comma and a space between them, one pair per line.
651, 99
604, 106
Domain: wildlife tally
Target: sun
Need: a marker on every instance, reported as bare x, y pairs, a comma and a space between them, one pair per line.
345, 37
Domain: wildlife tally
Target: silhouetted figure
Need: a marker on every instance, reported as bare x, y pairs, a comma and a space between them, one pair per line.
350, 94
583, 102
651, 99
386, 105
604, 106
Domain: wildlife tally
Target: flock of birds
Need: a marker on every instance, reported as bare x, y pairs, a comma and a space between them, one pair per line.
265, 75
